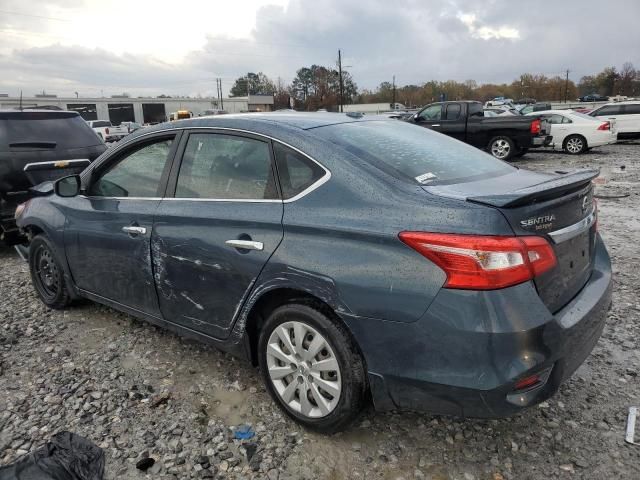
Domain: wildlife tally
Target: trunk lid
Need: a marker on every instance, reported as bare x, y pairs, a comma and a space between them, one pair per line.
557, 207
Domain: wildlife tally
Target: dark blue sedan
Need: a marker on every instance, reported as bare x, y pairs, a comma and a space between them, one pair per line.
346, 257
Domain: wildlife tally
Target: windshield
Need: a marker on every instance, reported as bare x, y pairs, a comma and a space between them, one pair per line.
412, 152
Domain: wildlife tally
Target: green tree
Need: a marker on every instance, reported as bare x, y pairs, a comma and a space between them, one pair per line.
252, 84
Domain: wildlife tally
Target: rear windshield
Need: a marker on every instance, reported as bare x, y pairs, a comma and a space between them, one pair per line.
412, 152
34, 131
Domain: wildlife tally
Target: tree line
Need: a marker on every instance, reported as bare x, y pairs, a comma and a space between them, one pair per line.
317, 87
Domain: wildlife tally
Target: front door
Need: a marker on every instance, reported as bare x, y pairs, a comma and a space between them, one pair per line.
108, 230
212, 239
430, 117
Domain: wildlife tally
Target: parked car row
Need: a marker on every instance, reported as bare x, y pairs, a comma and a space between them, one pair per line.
505, 137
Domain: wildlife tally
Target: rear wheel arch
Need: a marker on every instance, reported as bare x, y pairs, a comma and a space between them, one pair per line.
277, 297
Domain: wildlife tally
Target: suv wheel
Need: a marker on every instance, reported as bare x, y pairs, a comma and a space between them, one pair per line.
575, 144
311, 367
46, 274
502, 148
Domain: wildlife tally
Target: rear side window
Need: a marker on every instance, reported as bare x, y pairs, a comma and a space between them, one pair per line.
37, 131
611, 110
226, 167
296, 172
453, 111
136, 174
413, 153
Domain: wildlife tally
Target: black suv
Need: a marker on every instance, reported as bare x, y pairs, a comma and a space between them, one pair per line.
36, 146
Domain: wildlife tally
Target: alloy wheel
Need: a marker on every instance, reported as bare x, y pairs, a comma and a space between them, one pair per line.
574, 145
500, 149
304, 369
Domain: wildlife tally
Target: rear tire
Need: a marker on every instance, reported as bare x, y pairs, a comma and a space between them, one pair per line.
311, 367
47, 274
502, 147
575, 144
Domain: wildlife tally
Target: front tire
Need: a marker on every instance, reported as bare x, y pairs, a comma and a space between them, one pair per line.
311, 367
47, 274
575, 145
502, 148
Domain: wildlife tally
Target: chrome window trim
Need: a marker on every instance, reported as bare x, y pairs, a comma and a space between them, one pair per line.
317, 184
566, 233
94, 197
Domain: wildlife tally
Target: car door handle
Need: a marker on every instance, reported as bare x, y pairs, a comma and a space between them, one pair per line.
133, 230
245, 244
435, 125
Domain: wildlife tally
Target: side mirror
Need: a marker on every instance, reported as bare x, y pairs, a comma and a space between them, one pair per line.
416, 117
67, 186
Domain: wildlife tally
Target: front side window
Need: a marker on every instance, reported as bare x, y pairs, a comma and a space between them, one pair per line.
226, 167
434, 112
296, 172
136, 174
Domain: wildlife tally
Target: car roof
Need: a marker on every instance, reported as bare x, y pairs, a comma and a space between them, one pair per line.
36, 113
300, 120
624, 102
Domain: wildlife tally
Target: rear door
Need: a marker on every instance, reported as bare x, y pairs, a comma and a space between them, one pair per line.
108, 230
453, 123
217, 228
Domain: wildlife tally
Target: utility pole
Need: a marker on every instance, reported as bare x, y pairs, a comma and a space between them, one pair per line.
221, 98
566, 86
393, 96
340, 74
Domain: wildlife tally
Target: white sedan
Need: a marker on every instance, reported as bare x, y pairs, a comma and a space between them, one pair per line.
576, 132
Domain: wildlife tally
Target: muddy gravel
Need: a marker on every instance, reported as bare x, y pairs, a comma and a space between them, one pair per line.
138, 391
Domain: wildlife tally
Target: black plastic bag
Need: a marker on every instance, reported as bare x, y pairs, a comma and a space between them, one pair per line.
66, 457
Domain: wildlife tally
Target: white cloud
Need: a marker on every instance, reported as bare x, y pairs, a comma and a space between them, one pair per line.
159, 47
487, 32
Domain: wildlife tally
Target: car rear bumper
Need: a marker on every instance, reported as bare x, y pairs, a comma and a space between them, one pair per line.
541, 141
467, 352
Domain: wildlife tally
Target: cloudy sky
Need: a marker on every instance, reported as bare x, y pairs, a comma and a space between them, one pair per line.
150, 47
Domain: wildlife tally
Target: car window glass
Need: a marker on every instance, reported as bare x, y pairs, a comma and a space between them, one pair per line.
218, 166
137, 174
434, 112
554, 119
632, 109
611, 110
412, 153
453, 111
296, 172
566, 120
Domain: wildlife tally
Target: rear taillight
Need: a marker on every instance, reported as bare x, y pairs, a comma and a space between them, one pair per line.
106, 130
483, 262
605, 126
536, 126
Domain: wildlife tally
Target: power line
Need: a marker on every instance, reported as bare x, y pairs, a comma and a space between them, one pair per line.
34, 16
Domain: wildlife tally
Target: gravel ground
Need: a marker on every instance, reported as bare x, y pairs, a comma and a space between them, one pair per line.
137, 391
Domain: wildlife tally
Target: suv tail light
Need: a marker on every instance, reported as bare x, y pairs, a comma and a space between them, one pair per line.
536, 126
480, 262
106, 130
605, 126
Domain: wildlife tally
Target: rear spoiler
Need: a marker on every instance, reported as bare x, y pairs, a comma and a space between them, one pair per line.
540, 191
